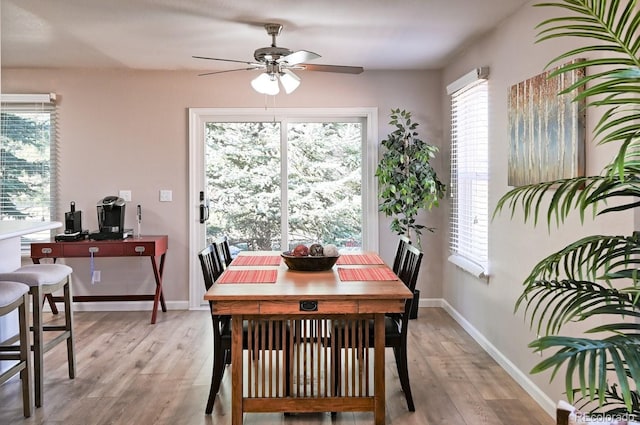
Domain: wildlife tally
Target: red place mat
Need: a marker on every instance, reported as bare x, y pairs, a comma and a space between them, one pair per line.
369, 273
248, 276
256, 260
360, 259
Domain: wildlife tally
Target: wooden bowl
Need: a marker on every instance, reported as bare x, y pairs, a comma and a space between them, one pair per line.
308, 263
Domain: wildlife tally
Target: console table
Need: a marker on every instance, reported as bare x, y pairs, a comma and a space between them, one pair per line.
153, 247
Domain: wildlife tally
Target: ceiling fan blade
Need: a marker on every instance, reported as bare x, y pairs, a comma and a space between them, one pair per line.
299, 57
333, 68
226, 60
229, 70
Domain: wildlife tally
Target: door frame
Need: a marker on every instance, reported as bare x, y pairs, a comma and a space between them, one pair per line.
197, 119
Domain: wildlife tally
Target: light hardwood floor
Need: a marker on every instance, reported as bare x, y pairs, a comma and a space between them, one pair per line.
131, 372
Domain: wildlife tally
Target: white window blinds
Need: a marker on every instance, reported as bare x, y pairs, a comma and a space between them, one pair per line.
470, 172
28, 159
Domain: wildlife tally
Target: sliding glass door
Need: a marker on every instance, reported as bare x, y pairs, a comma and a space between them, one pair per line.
271, 183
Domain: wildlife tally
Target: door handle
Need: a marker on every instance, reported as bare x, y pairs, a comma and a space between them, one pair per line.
204, 208
204, 213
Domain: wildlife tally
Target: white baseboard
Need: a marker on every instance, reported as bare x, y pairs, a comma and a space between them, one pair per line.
518, 375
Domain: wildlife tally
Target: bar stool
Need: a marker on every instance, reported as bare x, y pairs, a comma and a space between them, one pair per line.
44, 279
16, 295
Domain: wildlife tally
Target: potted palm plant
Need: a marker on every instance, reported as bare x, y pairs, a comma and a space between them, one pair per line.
408, 182
596, 276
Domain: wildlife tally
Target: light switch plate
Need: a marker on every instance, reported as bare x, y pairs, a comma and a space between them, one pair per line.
126, 195
166, 195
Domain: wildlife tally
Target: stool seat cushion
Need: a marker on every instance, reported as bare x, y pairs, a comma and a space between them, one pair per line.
38, 274
11, 291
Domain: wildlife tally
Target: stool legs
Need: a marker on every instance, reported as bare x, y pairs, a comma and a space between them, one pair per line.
15, 297
68, 320
38, 341
39, 346
25, 355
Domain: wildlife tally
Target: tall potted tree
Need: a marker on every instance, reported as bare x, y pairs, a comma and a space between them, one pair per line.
596, 276
408, 182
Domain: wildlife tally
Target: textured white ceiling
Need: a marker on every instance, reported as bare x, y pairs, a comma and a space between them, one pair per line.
164, 34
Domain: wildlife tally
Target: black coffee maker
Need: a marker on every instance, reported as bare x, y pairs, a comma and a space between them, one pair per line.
110, 219
72, 226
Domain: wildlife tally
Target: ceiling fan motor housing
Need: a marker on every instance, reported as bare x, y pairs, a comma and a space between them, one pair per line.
273, 53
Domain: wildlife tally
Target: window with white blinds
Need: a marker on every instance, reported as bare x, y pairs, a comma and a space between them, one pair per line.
28, 160
470, 172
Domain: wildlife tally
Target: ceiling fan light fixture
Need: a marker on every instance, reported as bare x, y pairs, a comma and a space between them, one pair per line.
289, 80
266, 84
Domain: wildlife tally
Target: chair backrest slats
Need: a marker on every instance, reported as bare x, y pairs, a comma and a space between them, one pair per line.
211, 265
400, 252
222, 243
408, 272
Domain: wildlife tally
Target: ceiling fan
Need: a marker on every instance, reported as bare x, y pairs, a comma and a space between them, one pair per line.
278, 63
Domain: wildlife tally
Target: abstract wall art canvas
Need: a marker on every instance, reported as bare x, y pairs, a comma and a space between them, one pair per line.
546, 129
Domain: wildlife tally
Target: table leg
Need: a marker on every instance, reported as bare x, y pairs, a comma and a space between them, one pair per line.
378, 373
161, 271
237, 371
159, 296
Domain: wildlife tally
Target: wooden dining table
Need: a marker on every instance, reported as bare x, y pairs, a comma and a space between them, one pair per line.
291, 357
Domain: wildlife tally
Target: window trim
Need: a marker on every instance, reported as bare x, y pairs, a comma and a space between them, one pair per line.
475, 266
45, 102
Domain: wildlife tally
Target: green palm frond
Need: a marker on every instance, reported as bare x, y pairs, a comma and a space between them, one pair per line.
614, 402
627, 161
551, 304
614, 26
598, 257
590, 361
579, 193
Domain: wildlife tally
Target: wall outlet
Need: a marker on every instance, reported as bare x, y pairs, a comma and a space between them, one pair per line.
166, 195
126, 195
96, 276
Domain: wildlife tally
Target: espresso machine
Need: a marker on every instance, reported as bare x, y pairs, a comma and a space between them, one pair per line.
110, 219
72, 225
72, 220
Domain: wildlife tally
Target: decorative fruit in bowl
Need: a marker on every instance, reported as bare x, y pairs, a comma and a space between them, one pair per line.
311, 259
316, 250
301, 251
331, 250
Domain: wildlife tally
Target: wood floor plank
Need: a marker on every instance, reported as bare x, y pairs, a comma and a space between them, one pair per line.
131, 372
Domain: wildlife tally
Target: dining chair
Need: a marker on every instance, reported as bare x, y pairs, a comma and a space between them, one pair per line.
15, 295
222, 243
211, 261
403, 242
43, 280
395, 326
401, 251
211, 271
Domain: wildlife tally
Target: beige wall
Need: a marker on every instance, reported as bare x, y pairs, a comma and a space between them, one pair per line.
128, 130
516, 247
